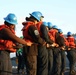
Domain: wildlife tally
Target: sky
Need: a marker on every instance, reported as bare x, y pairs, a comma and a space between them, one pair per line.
59, 12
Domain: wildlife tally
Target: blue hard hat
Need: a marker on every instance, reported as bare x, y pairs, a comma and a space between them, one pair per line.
11, 18
55, 27
60, 31
49, 24
37, 15
45, 23
69, 33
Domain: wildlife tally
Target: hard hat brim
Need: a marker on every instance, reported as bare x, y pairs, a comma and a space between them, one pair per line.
9, 21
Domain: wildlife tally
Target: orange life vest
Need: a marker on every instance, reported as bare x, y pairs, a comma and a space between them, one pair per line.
52, 34
26, 36
51, 37
71, 41
7, 44
38, 25
66, 42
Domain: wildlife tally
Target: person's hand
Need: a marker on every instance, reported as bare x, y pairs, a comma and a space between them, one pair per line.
47, 45
29, 43
54, 45
62, 48
69, 48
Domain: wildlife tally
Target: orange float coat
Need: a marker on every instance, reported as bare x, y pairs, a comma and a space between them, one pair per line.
7, 44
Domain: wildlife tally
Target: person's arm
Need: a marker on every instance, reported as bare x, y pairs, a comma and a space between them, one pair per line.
60, 40
45, 34
34, 33
10, 36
